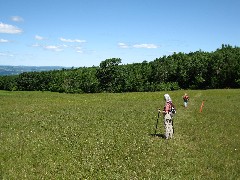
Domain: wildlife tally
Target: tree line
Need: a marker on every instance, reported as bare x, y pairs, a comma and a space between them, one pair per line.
194, 70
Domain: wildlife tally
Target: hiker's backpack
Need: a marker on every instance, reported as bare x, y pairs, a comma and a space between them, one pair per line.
173, 110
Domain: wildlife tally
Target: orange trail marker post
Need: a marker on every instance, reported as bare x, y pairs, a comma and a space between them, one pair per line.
201, 107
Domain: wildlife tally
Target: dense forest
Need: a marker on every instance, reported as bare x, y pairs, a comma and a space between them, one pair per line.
194, 70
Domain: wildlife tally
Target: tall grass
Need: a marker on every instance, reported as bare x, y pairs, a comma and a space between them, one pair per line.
47, 135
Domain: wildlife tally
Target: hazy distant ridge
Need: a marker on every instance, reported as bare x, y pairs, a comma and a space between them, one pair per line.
14, 70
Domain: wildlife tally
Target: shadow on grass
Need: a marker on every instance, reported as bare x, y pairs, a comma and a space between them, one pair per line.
159, 135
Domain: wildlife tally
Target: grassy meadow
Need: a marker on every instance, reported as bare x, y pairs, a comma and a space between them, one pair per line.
46, 135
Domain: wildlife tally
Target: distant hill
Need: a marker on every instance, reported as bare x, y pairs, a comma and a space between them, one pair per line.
15, 70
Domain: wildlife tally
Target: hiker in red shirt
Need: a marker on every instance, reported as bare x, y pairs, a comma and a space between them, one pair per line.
185, 100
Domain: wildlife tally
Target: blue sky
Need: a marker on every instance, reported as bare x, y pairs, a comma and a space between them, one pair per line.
77, 33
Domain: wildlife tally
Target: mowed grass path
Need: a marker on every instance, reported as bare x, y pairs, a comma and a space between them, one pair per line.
47, 135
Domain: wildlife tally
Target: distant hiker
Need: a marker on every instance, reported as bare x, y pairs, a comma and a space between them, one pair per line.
185, 100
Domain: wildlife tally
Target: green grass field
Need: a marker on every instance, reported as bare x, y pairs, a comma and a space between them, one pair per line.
47, 135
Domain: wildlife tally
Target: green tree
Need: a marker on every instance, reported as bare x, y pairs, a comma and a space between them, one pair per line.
108, 75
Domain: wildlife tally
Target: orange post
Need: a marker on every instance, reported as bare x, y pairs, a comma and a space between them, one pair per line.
201, 106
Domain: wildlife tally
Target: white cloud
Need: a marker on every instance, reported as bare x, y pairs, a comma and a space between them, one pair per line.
79, 49
56, 48
17, 18
6, 54
53, 48
64, 45
2, 54
36, 45
9, 29
37, 37
72, 40
123, 45
4, 41
148, 46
